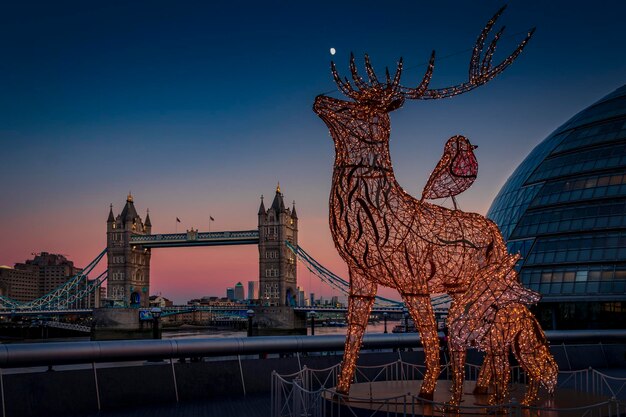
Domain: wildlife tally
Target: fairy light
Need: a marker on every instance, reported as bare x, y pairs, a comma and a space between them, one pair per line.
388, 237
492, 316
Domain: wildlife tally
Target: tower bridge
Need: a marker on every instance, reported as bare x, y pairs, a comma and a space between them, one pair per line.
130, 241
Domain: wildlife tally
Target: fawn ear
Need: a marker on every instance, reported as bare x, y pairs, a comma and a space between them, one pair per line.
395, 104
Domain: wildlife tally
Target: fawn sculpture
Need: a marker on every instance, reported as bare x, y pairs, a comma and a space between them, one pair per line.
386, 236
492, 316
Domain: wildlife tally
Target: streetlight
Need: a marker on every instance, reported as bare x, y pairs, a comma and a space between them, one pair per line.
312, 315
385, 321
250, 314
405, 312
156, 315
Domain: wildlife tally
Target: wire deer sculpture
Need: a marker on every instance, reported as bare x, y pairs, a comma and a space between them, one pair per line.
386, 236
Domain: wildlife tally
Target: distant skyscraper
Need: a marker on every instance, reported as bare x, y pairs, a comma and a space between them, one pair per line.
312, 299
300, 297
230, 293
239, 292
334, 301
253, 290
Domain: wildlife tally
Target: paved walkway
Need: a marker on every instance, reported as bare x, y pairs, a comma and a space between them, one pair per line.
249, 406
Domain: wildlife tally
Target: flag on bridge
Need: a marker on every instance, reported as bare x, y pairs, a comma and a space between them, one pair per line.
212, 219
177, 220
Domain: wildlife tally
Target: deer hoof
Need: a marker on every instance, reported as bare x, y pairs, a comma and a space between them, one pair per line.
480, 390
426, 395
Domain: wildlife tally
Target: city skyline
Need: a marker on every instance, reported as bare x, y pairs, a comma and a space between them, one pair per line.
198, 110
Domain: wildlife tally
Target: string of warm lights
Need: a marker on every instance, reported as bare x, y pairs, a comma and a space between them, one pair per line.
386, 236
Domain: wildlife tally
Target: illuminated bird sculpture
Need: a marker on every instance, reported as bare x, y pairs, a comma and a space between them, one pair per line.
455, 172
386, 236
492, 316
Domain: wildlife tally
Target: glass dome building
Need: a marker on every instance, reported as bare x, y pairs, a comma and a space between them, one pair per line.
564, 211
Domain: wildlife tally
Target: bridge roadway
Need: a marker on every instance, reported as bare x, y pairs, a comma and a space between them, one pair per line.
195, 238
217, 309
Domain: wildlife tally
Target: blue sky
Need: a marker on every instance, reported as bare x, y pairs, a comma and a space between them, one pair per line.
199, 108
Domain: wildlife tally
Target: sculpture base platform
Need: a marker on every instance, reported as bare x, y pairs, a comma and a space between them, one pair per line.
378, 397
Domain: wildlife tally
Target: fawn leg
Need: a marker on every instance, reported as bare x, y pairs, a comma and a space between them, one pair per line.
532, 391
502, 375
421, 310
360, 301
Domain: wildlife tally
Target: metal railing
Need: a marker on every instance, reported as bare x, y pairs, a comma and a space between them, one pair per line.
310, 392
56, 353
307, 396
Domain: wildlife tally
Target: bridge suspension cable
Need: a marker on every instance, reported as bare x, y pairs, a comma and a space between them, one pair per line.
342, 285
76, 288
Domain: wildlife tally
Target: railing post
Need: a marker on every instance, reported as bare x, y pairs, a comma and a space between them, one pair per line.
273, 392
243, 382
95, 378
515, 407
4, 413
606, 361
569, 365
174, 379
296, 396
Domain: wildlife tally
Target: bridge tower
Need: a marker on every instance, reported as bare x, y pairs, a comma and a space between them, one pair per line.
128, 284
277, 264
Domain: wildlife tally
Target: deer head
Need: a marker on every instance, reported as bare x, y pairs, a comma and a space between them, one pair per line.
366, 118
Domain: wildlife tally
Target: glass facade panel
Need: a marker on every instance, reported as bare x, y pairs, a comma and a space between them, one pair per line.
590, 187
582, 217
579, 138
565, 280
578, 248
610, 156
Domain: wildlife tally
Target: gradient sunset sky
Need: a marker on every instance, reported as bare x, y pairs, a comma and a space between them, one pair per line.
198, 108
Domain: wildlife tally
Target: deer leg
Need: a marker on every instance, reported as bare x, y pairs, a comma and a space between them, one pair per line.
360, 301
458, 375
484, 377
421, 310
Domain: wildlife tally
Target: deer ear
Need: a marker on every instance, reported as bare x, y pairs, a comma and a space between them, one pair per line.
395, 104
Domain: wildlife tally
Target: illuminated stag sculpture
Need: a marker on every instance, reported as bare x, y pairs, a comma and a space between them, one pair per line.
386, 236
492, 316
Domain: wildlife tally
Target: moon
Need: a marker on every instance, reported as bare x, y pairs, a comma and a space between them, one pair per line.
332, 51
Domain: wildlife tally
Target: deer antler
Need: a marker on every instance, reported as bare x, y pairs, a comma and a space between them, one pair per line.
479, 73
376, 90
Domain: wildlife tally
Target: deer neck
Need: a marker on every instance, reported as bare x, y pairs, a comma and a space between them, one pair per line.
364, 160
